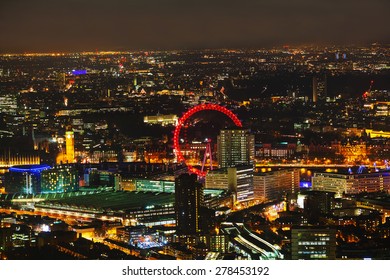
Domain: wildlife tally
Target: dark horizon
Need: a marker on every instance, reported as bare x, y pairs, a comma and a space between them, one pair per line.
118, 25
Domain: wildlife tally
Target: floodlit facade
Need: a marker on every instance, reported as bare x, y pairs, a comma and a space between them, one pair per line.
238, 180
351, 183
272, 185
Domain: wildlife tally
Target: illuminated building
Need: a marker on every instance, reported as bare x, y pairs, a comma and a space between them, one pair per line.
9, 103
98, 156
382, 110
241, 181
217, 179
68, 156
219, 243
235, 147
163, 120
376, 202
238, 180
275, 184
351, 153
351, 183
60, 179
140, 236
154, 185
320, 87
130, 208
69, 142
315, 89
25, 179
188, 200
21, 236
377, 133
8, 160
313, 242
282, 150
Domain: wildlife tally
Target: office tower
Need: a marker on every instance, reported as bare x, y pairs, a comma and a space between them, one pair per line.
275, 184
238, 180
235, 147
320, 87
60, 179
315, 89
188, 200
313, 242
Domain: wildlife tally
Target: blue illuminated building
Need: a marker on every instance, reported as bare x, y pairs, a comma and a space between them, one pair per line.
25, 179
79, 72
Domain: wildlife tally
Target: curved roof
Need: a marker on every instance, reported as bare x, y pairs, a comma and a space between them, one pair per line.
33, 168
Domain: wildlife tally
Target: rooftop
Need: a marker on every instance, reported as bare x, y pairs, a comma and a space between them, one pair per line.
114, 201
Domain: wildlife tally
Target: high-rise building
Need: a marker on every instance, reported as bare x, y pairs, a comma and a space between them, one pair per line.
313, 242
238, 180
188, 200
320, 87
235, 147
315, 89
60, 179
275, 184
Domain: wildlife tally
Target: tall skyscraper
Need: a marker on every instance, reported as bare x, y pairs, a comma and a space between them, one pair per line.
315, 89
188, 200
235, 147
320, 87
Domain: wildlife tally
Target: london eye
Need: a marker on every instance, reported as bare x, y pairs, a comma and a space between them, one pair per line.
182, 124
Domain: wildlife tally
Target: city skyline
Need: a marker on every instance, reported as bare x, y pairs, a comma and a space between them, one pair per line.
44, 26
194, 130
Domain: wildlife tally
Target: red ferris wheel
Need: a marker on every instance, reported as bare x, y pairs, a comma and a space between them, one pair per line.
188, 115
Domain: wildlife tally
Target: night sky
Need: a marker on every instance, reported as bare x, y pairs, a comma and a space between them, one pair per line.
83, 25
